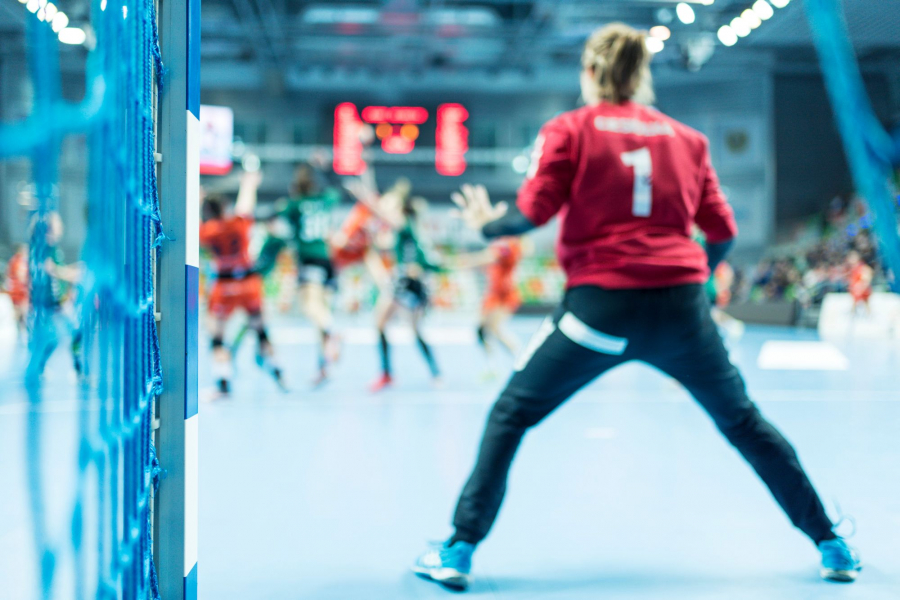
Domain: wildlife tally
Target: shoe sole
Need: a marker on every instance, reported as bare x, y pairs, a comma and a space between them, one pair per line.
839, 576
450, 578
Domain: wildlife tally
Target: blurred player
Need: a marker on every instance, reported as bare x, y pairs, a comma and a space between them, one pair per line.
718, 289
627, 183
859, 282
401, 211
51, 293
16, 286
226, 234
354, 242
308, 210
501, 298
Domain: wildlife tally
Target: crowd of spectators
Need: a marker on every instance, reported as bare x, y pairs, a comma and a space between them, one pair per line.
815, 261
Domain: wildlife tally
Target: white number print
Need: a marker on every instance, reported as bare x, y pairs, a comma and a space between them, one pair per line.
640, 161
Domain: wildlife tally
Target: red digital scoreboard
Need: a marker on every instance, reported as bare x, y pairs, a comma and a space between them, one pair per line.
398, 128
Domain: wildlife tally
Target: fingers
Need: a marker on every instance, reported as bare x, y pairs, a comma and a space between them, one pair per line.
458, 200
469, 192
500, 210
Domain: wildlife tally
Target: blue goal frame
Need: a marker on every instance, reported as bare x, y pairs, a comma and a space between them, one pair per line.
176, 510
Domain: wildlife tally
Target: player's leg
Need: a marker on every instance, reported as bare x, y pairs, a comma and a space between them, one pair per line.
415, 316
379, 273
563, 356
384, 311
495, 322
690, 349
43, 340
265, 353
20, 312
315, 277
70, 316
313, 304
487, 344
252, 302
221, 363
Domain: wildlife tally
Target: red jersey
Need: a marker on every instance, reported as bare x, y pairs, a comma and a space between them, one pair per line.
860, 284
508, 252
17, 278
628, 183
229, 241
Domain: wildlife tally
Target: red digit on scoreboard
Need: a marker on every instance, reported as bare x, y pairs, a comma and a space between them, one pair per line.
452, 139
348, 147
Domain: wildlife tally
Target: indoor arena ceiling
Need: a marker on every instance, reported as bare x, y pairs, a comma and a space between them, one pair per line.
315, 43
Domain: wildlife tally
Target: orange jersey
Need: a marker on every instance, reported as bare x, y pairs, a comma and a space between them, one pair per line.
357, 220
501, 288
17, 278
508, 253
228, 295
355, 232
860, 284
229, 241
723, 277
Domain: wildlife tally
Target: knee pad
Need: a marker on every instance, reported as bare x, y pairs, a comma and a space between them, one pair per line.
263, 335
217, 342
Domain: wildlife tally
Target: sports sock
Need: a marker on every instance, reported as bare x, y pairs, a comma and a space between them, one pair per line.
481, 336
384, 350
429, 357
323, 360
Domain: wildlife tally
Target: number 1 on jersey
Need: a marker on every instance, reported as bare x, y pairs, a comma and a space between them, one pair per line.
640, 161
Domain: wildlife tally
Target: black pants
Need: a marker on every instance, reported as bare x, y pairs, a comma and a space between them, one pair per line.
595, 330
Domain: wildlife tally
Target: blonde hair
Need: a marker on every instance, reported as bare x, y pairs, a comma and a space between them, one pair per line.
617, 56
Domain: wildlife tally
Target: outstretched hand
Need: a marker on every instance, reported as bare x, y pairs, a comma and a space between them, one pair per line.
475, 208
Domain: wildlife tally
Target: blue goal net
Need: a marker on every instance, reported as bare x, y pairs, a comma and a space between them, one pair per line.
872, 152
104, 545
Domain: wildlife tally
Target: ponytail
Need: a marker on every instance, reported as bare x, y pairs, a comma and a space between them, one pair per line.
617, 58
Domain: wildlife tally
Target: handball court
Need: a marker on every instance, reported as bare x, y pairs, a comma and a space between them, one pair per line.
626, 492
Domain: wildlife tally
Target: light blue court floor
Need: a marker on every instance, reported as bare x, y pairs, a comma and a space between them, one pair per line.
626, 492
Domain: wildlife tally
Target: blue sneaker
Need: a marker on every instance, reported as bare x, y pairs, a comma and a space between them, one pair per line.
447, 565
840, 562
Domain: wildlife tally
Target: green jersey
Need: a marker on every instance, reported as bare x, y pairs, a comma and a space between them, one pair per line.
410, 251
47, 290
310, 221
268, 255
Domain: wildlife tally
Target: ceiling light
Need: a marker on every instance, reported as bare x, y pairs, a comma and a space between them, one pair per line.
749, 17
727, 35
72, 35
740, 27
33, 5
660, 32
685, 13
780, 3
763, 10
60, 22
655, 45
50, 11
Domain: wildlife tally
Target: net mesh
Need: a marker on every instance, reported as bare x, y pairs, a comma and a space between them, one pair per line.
108, 534
871, 151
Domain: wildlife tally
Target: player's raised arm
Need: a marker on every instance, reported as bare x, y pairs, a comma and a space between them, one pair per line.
247, 193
